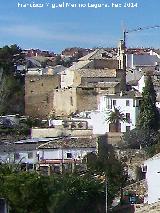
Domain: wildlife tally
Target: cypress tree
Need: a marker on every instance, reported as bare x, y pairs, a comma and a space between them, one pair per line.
149, 114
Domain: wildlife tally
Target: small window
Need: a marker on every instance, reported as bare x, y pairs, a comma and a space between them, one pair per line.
71, 101
69, 155
128, 128
127, 102
144, 168
128, 117
114, 102
47, 99
16, 156
30, 155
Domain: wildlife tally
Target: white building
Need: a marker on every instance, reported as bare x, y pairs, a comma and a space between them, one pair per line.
141, 85
65, 152
128, 104
152, 178
21, 152
67, 148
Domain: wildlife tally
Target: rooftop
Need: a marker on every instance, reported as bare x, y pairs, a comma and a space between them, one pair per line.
70, 143
97, 54
126, 94
110, 73
99, 84
79, 65
47, 143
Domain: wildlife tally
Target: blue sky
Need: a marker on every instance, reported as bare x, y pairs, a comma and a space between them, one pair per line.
54, 29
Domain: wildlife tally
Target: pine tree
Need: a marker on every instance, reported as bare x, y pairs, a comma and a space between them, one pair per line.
149, 114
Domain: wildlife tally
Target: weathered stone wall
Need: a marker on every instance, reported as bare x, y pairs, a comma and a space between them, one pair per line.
54, 132
39, 94
110, 64
86, 100
148, 208
114, 138
65, 101
70, 100
133, 158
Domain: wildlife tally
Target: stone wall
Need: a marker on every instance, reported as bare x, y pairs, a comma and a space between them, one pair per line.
39, 94
70, 100
114, 138
86, 100
54, 132
150, 208
133, 158
65, 101
110, 64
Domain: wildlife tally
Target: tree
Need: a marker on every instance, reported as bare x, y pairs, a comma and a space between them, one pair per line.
10, 57
115, 117
34, 193
149, 114
12, 84
137, 138
76, 194
106, 164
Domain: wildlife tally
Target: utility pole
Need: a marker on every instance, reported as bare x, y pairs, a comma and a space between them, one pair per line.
106, 193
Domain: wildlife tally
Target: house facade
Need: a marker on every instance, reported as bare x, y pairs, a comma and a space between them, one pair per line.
65, 153
127, 103
20, 152
152, 177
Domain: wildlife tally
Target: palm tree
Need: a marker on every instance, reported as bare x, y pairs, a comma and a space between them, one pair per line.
115, 117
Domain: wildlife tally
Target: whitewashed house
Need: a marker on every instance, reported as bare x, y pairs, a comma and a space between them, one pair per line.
21, 152
156, 79
128, 103
152, 178
65, 151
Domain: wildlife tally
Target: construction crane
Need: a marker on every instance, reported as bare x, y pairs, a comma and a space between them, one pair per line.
125, 32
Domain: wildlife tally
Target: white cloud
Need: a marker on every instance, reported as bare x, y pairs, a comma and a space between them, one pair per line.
54, 33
